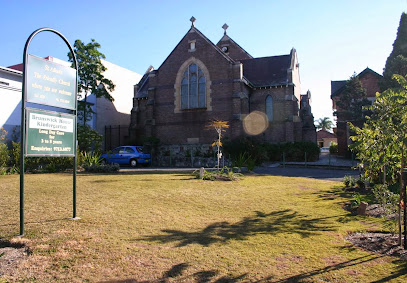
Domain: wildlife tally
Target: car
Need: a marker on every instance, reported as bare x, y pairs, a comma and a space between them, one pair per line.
126, 155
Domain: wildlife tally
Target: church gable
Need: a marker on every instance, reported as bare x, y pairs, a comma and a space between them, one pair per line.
231, 48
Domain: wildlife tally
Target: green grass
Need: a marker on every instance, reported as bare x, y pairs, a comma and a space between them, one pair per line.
172, 227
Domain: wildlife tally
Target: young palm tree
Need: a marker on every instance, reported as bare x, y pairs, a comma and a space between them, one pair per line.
324, 124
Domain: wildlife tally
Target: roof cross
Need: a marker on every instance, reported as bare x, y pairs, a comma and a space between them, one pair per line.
225, 27
193, 21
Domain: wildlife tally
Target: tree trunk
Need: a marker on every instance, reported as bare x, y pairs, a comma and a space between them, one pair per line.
401, 194
84, 110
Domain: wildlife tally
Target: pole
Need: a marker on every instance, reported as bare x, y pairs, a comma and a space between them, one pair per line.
305, 156
404, 207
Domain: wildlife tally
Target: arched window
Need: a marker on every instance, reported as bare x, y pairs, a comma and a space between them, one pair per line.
269, 108
193, 88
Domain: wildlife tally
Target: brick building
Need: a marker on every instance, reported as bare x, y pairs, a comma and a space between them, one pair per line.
370, 81
201, 81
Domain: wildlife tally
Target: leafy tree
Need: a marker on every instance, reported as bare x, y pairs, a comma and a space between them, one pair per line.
352, 100
89, 139
324, 124
383, 139
90, 75
397, 61
219, 126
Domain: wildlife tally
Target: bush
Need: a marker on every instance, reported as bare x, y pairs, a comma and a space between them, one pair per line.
39, 164
333, 149
240, 160
102, 168
4, 157
225, 174
349, 181
272, 152
89, 158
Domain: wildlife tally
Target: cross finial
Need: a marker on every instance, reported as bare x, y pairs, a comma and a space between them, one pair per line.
225, 27
193, 21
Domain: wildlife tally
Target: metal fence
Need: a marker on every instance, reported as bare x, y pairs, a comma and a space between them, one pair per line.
115, 135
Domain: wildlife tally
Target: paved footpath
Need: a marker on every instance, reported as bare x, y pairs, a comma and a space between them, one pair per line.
333, 174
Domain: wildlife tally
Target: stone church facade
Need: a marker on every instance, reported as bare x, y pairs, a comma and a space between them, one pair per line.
201, 81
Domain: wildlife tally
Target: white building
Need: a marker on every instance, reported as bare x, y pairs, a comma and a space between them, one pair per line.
107, 114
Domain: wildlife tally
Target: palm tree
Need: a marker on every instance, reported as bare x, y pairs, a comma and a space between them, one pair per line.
324, 124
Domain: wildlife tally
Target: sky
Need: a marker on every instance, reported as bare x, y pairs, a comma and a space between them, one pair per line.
333, 38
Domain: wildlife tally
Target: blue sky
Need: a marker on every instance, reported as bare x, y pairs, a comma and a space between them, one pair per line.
333, 38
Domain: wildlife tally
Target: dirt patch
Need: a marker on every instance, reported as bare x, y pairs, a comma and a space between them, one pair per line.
379, 243
10, 258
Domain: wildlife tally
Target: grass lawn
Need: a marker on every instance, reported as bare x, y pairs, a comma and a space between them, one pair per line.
173, 228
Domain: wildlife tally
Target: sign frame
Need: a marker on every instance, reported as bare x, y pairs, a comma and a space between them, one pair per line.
49, 132
24, 122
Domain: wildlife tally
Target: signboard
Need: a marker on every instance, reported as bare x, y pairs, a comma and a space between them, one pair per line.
51, 84
49, 133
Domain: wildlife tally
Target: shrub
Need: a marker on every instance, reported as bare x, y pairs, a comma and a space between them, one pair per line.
386, 199
333, 149
89, 158
349, 181
4, 157
240, 160
251, 164
225, 174
102, 168
357, 199
39, 164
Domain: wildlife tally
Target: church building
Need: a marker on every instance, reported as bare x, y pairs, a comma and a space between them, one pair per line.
201, 81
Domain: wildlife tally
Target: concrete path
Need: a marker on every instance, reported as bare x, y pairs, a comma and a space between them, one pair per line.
333, 174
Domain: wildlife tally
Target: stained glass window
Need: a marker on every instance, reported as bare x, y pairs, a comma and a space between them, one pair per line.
193, 88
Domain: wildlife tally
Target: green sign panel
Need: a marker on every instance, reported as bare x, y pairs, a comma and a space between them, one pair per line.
51, 84
49, 133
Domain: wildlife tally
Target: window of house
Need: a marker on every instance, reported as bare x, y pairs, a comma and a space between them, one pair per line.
193, 88
269, 108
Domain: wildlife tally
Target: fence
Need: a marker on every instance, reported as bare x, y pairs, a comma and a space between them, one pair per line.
115, 135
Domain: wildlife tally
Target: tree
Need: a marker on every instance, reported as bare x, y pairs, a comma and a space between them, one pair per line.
90, 75
324, 124
352, 100
219, 126
383, 140
396, 63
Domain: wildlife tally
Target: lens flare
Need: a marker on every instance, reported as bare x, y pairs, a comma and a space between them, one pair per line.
255, 123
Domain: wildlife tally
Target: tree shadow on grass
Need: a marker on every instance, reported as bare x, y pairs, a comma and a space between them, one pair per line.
177, 272
284, 221
401, 270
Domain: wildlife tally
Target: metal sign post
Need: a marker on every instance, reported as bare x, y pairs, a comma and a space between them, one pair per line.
48, 133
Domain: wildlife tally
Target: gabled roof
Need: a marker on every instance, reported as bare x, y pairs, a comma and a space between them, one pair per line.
239, 50
194, 29
267, 71
338, 86
324, 134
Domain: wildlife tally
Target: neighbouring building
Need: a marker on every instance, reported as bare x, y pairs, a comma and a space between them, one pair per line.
201, 81
110, 119
325, 138
370, 81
